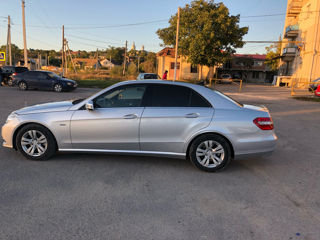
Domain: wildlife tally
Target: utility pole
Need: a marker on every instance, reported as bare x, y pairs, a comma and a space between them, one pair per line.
97, 60
125, 59
176, 49
65, 55
8, 49
24, 35
74, 67
62, 52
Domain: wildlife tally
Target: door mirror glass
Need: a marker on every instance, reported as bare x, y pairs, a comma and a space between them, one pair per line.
90, 106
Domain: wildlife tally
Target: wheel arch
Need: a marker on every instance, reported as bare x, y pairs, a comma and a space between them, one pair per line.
30, 123
206, 133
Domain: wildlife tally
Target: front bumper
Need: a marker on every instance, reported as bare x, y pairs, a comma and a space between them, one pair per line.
7, 132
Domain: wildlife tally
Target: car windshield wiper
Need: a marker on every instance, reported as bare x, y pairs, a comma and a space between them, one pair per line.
74, 102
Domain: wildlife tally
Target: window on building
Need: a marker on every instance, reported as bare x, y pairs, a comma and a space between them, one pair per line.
193, 68
258, 63
256, 75
172, 65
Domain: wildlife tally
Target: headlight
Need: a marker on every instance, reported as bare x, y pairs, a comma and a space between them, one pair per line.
12, 116
69, 83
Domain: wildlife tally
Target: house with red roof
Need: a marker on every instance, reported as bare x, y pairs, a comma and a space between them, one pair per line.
248, 67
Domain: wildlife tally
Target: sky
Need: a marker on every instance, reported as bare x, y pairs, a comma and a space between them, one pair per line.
97, 23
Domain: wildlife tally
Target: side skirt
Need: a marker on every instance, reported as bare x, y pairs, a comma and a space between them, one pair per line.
127, 152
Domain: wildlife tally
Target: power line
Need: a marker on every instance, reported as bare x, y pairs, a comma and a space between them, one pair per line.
121, 25
93, 40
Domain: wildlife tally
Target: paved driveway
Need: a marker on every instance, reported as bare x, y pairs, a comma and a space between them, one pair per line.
81, 196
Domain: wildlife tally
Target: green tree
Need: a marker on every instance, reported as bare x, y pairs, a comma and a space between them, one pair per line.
149, 65
208, 33
116, 54
273, 55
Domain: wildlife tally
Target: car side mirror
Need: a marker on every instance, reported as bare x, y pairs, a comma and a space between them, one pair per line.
90, 105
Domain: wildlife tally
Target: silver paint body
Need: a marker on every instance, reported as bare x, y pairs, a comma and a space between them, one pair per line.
165, 131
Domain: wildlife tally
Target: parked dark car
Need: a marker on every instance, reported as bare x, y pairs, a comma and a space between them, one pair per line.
43, 80
7, 72
313, 86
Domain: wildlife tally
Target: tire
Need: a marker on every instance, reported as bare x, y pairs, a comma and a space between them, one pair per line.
57, 87
203, 156
10, 82
23, 86
42, 147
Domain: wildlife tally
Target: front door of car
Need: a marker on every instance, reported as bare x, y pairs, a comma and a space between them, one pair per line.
44, 82
171, 116
113, 124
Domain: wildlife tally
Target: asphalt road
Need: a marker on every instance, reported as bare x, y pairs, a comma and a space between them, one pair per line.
82, 196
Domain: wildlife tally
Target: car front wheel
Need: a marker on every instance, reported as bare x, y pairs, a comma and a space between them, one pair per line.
210, 152
35, 142
57, 87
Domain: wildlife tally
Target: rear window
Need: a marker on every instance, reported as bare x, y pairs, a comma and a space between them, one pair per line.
229, 98
21, 69
150, 76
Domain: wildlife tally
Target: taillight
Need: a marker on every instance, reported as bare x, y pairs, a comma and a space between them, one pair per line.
264, 123
14, 74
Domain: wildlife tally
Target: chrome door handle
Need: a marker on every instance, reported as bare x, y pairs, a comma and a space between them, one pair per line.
130, 116
192, 115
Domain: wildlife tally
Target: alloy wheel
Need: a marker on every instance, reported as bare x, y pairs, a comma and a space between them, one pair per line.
34, 143
210, 154
57, 88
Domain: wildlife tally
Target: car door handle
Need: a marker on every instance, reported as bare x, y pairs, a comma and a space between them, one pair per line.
130, 116
192, 115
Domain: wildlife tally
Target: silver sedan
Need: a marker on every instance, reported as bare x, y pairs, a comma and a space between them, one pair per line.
148, 117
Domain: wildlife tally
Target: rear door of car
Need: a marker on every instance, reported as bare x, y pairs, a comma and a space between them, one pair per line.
172, 115
30, 78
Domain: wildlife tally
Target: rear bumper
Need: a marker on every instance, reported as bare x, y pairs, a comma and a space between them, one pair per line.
256, 146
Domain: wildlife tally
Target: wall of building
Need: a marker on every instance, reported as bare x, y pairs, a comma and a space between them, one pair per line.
184, 73
305, 65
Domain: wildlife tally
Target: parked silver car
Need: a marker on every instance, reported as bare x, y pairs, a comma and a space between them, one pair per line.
149, 117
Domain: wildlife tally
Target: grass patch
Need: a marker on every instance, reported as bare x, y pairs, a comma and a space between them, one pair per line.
310, 99
96, 83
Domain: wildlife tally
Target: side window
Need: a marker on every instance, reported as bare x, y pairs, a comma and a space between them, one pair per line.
164, 95
42, 76
125, 96
198, 101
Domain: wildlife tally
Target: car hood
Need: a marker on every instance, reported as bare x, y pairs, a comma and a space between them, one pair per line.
46, 107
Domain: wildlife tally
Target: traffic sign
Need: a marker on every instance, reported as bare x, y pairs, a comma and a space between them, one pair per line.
2, 56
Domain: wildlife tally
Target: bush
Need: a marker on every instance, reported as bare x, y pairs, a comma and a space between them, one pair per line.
116, 71
132, 69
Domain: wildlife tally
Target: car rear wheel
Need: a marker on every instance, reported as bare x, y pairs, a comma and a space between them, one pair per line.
210, 152
10, 82
23, 86
57, 87
35, 142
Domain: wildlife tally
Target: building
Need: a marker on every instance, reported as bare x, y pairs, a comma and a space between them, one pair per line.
87, 63
248, 67
185, 70
300, 57
106, 63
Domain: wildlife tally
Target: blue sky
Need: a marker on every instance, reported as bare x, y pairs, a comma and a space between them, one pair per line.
44, 19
